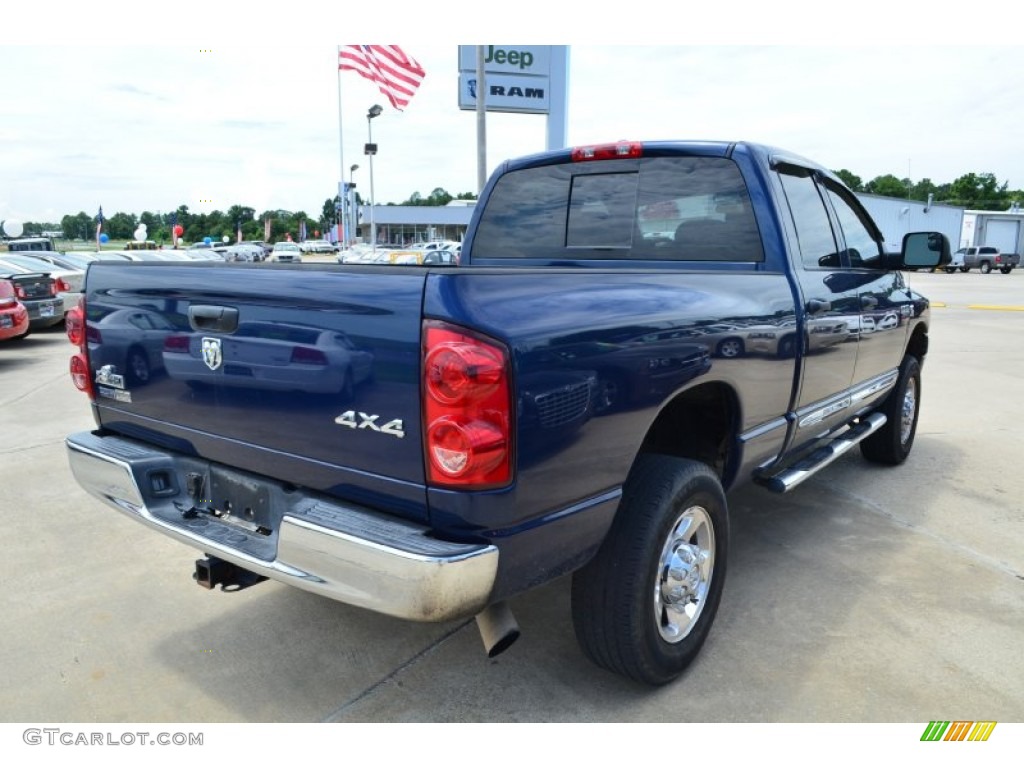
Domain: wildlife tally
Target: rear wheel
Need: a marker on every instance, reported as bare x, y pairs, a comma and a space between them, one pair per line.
730, 348
644, 605
892, 443
138, 366
1006, 270
985, 267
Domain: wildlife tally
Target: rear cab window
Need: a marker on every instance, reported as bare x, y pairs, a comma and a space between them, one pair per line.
658, 208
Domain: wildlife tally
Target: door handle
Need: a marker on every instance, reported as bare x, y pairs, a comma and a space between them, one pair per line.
817, 306
208, 317
868, 302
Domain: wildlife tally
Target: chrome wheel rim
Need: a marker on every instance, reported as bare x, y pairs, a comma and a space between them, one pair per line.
909, 411
730, 349
683, 581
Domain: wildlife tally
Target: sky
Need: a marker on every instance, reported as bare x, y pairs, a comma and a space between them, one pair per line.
108, 108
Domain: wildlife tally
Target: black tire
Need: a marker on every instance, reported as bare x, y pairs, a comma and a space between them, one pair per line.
950, 270
137, 367
787, 346
985, 267
617, 625
1006, 270
730, 348
965, 269
892, 443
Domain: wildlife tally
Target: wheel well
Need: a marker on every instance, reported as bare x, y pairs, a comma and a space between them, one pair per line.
699, 424
918, 344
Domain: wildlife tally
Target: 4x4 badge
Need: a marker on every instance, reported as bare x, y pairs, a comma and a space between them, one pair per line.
395, 427
211, 353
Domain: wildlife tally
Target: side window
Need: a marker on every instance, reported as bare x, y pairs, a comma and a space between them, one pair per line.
861, 246
813, 229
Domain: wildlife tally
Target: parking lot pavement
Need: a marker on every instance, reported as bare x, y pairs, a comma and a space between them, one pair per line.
866, 595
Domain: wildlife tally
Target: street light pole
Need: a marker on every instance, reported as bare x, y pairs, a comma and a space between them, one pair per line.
371, 150
353, 216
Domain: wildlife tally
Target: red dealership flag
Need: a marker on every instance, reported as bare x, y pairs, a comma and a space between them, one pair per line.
397, 74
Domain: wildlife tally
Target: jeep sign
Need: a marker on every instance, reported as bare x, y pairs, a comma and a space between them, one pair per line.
508, 59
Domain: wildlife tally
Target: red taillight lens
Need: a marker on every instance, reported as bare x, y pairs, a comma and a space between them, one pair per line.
466, 408
74, 325
308, 356
7, 294
607, 151
80, 374
78, 333
60, 285
456, 371
176, 344
19, 291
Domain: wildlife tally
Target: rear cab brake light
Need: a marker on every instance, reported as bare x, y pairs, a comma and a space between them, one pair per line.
619, 149
467, 409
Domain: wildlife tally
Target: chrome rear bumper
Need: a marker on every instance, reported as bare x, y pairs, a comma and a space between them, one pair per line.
344, 552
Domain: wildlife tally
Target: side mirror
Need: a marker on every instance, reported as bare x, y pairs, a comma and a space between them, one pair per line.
925, 250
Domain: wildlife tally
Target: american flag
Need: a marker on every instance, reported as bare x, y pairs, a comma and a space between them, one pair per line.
397, 74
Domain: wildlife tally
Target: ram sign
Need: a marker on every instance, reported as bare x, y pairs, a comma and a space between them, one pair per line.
517, 78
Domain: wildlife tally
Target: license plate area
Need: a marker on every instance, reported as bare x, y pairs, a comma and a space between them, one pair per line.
241, 501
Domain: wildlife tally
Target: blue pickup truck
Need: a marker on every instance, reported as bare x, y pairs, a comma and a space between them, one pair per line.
634, 329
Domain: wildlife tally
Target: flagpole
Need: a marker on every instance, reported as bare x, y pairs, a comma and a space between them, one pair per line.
342, 229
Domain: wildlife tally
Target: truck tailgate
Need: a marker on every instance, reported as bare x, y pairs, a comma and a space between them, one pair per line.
308, 373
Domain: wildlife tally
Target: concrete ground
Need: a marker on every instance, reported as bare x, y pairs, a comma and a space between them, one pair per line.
866, 595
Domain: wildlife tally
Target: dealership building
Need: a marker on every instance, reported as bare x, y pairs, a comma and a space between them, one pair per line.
405, 224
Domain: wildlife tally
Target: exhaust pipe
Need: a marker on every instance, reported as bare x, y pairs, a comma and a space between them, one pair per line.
498, 628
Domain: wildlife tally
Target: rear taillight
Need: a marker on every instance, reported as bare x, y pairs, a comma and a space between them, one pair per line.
53, 287
466, 408
19, 291
60, 285
308, 356
176, 344
619, 149
74, 325
7, 298
78, 334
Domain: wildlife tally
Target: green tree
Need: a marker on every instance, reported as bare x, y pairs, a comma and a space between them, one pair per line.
923, 188
979, 191
886, 186
439, 197
852, 180
80, 225
121, 226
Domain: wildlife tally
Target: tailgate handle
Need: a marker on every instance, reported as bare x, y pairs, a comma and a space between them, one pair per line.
207, 317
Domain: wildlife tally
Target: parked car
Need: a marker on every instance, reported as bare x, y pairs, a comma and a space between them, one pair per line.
13, 314
317, 246
128, 343
37, 291
264, 248
69, 259
441, 256
286, 252
69, 281
242, 252
271, 356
